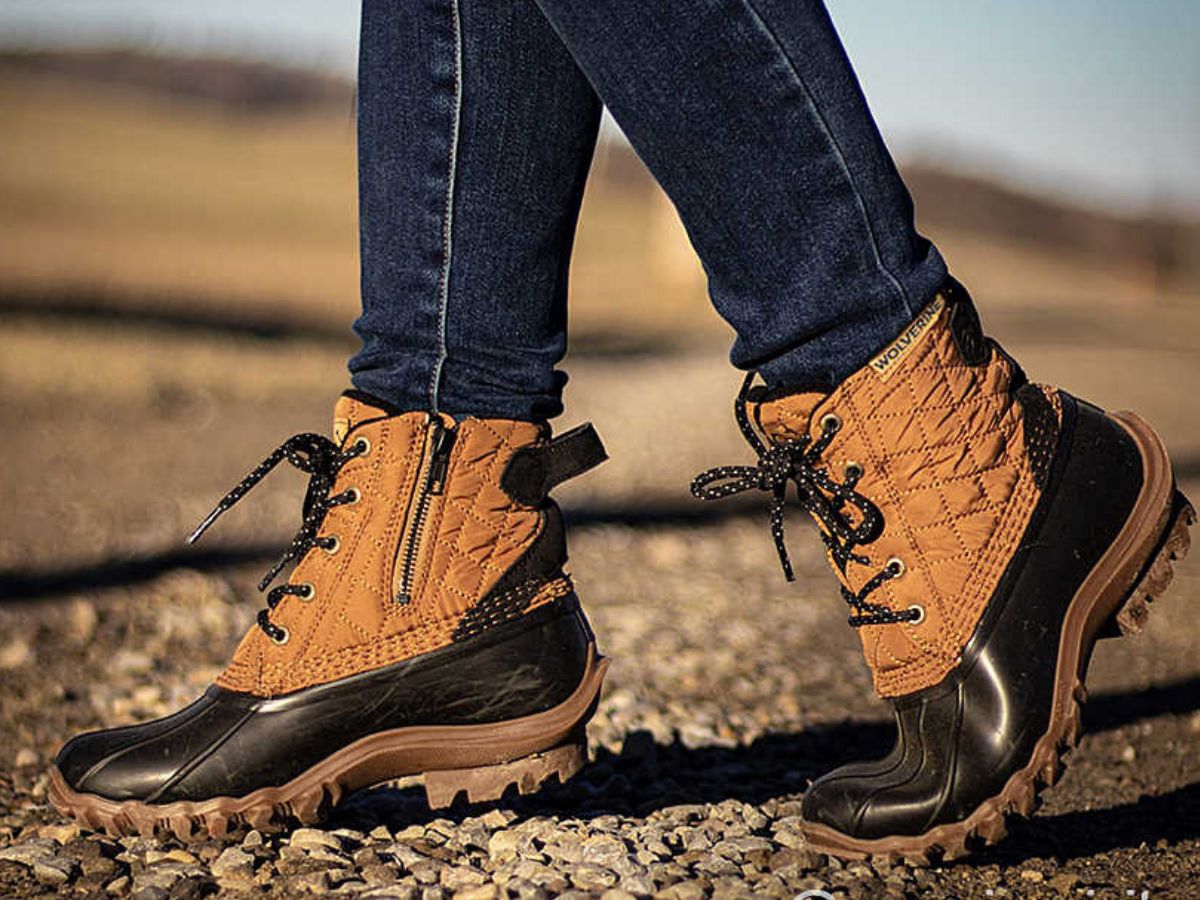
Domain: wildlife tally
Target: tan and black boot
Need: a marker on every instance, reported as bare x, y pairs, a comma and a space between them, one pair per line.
427, 627
986, 531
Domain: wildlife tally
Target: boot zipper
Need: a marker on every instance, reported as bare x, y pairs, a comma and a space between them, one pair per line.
439, 442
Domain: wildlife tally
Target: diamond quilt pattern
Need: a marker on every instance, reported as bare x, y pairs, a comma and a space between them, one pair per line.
941, 445
473, 533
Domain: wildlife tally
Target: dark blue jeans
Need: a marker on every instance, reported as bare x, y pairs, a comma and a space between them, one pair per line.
477, 122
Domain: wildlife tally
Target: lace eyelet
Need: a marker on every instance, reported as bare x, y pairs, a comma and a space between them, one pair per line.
362, 446
281, 636
920, 611
333, 545
353, 495
307, 592
852, 470
831, 422
896, 566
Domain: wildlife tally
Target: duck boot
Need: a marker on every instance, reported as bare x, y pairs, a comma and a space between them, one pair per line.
426, 627
985, 531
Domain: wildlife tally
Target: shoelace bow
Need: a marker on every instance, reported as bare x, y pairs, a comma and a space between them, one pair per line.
321, 459
799, 461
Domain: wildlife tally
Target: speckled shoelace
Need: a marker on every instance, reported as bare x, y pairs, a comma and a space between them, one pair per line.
799, 461
321, 459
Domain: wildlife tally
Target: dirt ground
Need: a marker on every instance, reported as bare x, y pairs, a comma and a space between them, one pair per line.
730, 689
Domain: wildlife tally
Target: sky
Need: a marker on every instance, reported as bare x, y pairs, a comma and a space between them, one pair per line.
1098, 100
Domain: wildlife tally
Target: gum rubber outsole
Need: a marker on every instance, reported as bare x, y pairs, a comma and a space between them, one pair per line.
1021, 795
478, 763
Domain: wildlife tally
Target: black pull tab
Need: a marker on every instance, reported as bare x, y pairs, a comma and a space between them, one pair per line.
534, 471
439, 458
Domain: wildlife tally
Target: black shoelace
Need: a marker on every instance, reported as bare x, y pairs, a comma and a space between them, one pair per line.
321, 459
799, 461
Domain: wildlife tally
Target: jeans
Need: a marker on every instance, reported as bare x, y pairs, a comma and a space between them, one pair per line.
477, 123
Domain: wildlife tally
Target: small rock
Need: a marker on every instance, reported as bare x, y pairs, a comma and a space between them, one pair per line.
81, 620
503, 844
100, 867
1032, 875
1129, 754
15, 653
234, 864
377, 874
604, 850
62, 833
310, 882
28, 852
497, 818
193, 887
132, 662
53, 871
25, 757
160, 875
118, 885
1064, 882
592, 877
454, 878
310, 838
803, 860
637, 885
684, 890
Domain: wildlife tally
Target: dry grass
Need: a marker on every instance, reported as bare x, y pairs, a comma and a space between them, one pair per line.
143, 200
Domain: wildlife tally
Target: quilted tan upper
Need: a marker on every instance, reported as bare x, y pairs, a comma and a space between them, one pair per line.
474, 532
941, 446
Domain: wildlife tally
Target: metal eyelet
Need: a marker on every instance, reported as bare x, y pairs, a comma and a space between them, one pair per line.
353, 495
307, 592
852, 470
920, 611
282, 636
896, 566
362, 446
831, 422
333, 544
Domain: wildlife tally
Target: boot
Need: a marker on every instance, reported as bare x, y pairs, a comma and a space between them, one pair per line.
985, 531
427, 627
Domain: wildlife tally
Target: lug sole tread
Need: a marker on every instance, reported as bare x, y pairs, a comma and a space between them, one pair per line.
310, 806
307, 799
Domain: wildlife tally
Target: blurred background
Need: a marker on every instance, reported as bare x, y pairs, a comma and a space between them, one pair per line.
178, 246
178, 274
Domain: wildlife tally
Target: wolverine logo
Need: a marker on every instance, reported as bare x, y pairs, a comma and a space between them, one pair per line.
885, 363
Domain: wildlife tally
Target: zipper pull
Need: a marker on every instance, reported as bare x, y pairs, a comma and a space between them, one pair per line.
441, 444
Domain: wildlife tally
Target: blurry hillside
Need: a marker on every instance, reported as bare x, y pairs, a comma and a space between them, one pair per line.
223, 192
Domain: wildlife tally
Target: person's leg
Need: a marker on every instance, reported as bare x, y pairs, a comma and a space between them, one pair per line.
476, 131
429, 563
749, 115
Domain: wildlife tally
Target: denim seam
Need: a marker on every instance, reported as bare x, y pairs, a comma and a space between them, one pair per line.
839, 155
448, 221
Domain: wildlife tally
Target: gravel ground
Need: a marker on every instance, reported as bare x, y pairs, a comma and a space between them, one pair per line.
729, 691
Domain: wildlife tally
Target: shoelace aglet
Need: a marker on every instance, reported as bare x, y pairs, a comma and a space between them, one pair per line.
203, 526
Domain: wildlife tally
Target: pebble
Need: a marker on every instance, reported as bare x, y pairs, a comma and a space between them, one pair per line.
118, 885
309, 838
234, 864
53, 871
15, 653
